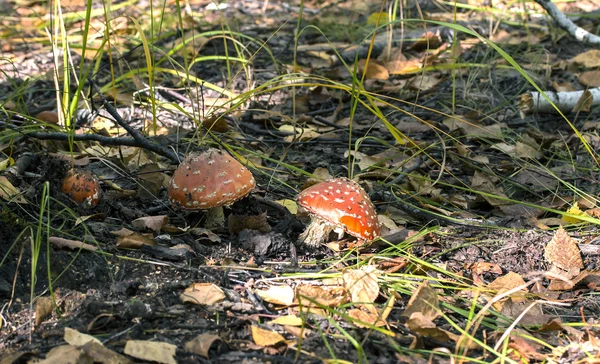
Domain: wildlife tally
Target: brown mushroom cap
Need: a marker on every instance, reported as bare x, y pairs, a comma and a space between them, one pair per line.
82, 186
209, 179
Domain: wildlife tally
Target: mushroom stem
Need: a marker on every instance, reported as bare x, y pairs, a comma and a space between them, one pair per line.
215, 217
318, 231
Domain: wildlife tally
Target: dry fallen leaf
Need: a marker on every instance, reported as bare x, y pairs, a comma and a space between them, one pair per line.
288, 320
154, 351
101, 354
489, 184
201, 344
373, 70
506, 283
562, 251
65, 354
306, 294
9, 192
71, 244
362, 284
264, 337
279, 295
154, 223
76, 338
128, 239
202, 294
423, 301
43, 308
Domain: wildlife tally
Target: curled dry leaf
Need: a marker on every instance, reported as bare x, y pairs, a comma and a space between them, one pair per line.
264, 337
202, 294
423, 301
71, 244
154, 351
279, 295
10, 193
43, 309
201, 344
154, 223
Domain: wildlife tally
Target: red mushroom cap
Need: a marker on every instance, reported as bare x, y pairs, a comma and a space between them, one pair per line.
209, 179
82, 186
344, 203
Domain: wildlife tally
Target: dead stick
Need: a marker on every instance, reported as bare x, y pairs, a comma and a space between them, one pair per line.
142, 141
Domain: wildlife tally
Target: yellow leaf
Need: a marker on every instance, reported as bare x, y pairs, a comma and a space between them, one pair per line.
289, 320
574, 210
265, 337
378, 18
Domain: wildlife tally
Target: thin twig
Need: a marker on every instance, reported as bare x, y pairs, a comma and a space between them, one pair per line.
141, 140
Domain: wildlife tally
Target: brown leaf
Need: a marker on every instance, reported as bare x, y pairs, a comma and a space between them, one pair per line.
71, 244
590, 79
155, 351
483, 267
506, 283
154, 223
202, 294
43, 309
563, 253
101, 354
325, 296
373, 70
128, 239
201, 344
487, 183
362, 284
423, 301
50, 117
584, 103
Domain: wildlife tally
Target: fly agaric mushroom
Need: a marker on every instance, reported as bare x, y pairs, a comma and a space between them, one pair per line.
338, 205
82, 186
209, 179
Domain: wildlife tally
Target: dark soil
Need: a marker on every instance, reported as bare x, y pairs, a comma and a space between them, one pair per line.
123, 294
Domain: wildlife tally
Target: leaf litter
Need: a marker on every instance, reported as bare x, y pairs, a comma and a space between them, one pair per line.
488, 219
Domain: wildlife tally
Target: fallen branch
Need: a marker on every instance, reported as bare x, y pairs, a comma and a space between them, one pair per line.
567, 25
139, 138
532, 102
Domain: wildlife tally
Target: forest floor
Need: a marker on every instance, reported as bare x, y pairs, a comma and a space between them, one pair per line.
488, 211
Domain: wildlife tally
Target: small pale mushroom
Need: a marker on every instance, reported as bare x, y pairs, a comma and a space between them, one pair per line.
82, 186
338, 205
209, 179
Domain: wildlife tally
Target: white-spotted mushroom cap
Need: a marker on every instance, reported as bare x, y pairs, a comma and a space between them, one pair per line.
83, 187
209, 179
344, 203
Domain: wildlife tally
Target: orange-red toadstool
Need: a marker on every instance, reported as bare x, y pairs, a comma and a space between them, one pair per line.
338, 205
83, 187
209, 179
